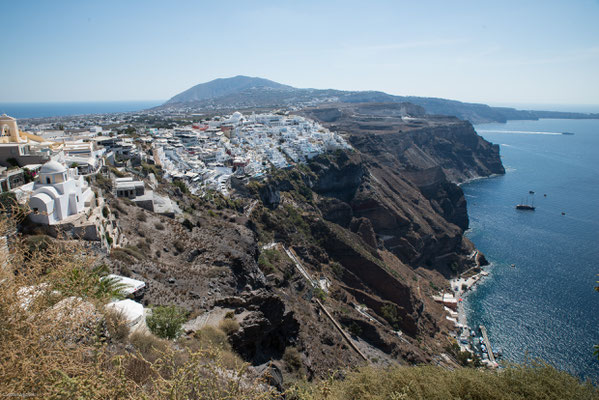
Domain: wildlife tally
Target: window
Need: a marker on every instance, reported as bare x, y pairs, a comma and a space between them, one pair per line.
48, 180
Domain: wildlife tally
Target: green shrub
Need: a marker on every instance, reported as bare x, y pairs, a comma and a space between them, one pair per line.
320, 294
166, 321
181, 185
390, 313
105, 212
355, 329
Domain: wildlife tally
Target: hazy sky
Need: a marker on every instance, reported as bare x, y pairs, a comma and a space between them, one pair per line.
493, 52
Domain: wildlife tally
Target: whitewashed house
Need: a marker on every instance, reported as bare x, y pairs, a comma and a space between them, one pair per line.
58, 193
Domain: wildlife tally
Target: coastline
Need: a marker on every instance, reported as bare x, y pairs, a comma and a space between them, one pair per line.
477, 178
461, 287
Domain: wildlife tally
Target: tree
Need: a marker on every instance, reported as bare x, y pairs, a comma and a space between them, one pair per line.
166, 321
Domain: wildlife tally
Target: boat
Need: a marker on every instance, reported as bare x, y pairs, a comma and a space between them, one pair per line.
563, 213
531, 191
567, 133
526, 207
513, 265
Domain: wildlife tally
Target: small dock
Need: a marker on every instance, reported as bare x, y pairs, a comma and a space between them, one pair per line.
483, 331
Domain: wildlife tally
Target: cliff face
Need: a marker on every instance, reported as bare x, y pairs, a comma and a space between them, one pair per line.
409, 166
404, 220
383, 224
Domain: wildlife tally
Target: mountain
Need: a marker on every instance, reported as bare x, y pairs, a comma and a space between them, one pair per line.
246, 92
223, 87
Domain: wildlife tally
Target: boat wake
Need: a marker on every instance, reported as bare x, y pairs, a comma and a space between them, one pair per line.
524, 132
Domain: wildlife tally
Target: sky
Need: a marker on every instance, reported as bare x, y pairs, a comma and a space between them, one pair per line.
499, 52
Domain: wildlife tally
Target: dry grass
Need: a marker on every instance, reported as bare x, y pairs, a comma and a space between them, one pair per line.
229, 326
531, 381
116, 324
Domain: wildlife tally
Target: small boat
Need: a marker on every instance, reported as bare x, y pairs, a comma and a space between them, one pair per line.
563, 213
513, 265
531, 191
527, 207
567, 133
545, 195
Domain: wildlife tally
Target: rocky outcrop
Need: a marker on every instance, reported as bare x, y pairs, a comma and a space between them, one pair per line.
266, 330
338, 176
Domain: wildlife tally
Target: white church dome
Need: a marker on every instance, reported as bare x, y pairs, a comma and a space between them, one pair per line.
52, 167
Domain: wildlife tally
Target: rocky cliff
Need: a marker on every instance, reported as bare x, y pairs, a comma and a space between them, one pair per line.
383, 224
379, 228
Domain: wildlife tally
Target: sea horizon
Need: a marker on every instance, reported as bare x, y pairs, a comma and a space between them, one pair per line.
25, 110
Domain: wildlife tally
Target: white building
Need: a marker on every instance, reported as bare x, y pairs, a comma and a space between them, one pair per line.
58, 194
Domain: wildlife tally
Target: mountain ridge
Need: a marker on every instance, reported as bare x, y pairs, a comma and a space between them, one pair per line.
250, 92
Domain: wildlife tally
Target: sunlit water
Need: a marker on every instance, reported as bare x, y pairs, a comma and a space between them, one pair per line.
546, 306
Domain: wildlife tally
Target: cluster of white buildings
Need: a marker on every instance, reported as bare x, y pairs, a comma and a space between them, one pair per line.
206, 155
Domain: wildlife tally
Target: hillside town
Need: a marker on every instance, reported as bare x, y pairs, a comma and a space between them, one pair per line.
206, 155
49, 165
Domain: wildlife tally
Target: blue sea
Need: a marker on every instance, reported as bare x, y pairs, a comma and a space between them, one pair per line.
39, 110
546, 307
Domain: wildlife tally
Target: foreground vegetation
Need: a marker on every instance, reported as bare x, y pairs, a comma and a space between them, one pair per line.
58, 342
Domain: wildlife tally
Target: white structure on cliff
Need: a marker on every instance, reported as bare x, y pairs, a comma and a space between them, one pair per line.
58, 194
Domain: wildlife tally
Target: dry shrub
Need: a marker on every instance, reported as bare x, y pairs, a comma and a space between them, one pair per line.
229, 326
141, 216
292, 359
148, 345
211, 337
116, 324
179, 246
532, 381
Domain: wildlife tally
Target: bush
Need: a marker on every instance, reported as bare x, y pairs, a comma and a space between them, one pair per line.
117, 325
320, 294
141, 216
105, 212
229, 326
292, 359
211, 337
355, 329
148, 345
181, 185
390, 313
166, 321
159, 226
179, 246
